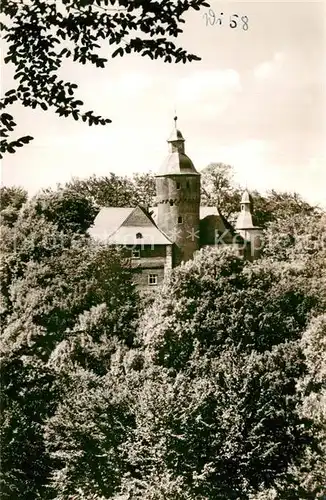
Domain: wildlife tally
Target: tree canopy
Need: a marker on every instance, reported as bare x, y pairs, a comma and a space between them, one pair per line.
215, 389
11, 201
64, 301
208, 402
219, 189
115, 190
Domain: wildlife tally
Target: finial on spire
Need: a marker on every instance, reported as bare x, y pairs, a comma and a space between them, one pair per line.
176, 135
246, 197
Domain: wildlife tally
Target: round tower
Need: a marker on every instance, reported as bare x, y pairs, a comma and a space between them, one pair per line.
178, 198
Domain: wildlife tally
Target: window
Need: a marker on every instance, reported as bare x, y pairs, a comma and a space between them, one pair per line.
152, 279
135, 254
178, 185
139, 236
188, 185
180, 220
171, 203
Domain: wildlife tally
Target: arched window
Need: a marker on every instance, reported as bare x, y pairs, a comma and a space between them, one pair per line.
139, 236
180, 220
171, 203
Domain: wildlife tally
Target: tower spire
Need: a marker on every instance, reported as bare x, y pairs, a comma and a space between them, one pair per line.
177, 161
244, 220
176, 139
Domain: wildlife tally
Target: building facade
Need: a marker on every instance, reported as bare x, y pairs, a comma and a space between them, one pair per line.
156, 240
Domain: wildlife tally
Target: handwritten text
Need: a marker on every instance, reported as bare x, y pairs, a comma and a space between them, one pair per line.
232, 21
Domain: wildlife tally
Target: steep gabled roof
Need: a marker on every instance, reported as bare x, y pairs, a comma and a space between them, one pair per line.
127, 226
212, 228
108, 220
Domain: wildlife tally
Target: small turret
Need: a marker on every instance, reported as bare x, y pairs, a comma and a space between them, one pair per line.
245, 226
244, 220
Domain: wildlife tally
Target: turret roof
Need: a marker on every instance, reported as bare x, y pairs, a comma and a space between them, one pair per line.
246, 197
176, 135
177, 162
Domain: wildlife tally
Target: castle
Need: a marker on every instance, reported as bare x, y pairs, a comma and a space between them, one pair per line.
157, 239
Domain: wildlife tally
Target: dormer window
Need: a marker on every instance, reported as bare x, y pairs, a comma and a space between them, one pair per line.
139, 236
178, 185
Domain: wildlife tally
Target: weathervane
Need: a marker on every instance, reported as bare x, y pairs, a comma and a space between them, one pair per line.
175, 117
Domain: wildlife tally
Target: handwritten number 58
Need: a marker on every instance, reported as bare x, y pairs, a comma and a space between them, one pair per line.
234, 24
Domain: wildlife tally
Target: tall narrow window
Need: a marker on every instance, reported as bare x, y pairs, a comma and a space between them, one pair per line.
178, 185
180, 220
152, 279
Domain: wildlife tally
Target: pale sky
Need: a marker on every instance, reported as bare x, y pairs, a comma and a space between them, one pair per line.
256, 100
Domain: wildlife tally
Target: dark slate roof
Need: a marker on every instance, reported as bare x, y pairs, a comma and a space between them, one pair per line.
177, 163
215, 228
120, 226
211, 228
227, 223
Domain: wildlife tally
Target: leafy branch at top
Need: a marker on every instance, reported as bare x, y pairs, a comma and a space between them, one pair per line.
41, 34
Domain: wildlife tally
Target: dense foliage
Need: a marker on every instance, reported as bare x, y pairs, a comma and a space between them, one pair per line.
11, 201
116, 191
64, 298
213, 390
219, 190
